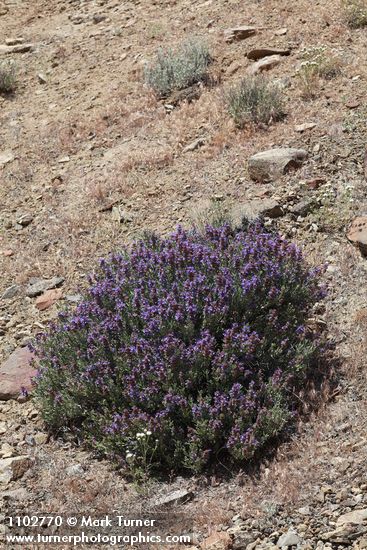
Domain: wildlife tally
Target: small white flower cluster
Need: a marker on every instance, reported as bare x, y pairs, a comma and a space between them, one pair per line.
348, 191
313, 58
306, 66
313, 52
140, 436
144, 433
327, 193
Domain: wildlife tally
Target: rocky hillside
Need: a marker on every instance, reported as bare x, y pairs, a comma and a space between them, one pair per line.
90, 158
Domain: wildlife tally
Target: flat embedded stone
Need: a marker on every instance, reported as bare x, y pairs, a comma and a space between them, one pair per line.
177, 497
14, 41
48, 298
259, 53
10, 292
357, 233
344, 534
25, 219
16, 373
356, 517
239, 33
281, 32
38, 286
258, 208
13, 468
18, 48
303, 207
264, 64
300, 128
5, 157
194, 145
219, 540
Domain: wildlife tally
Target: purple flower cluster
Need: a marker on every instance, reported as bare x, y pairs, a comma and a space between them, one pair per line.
199, 338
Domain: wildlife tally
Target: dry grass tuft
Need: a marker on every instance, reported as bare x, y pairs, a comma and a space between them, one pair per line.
212, 212
8, 82
317, 63
355, 13
146, 161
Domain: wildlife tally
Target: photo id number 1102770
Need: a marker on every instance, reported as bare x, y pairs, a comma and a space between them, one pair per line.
33, 521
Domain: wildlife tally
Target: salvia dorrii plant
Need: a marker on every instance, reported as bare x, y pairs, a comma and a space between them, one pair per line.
185, 350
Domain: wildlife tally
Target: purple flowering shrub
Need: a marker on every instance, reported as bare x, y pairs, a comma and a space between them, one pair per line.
197, 340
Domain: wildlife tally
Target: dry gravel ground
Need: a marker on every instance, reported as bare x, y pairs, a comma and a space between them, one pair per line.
84, 133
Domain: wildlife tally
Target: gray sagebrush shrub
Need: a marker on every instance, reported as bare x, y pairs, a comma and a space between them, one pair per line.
178, 69
255, 100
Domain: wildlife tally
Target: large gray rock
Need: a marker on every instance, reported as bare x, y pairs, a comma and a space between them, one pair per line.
288, 539
272, 164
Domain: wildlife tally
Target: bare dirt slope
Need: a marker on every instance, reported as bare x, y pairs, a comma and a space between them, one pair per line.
83, 134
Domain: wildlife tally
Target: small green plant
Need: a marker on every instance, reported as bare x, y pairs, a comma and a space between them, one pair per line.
156, 31
355, 13
7, 77
140, 455
270, 508
178, 69
316, 63
335, 208
255, 100
213, 212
